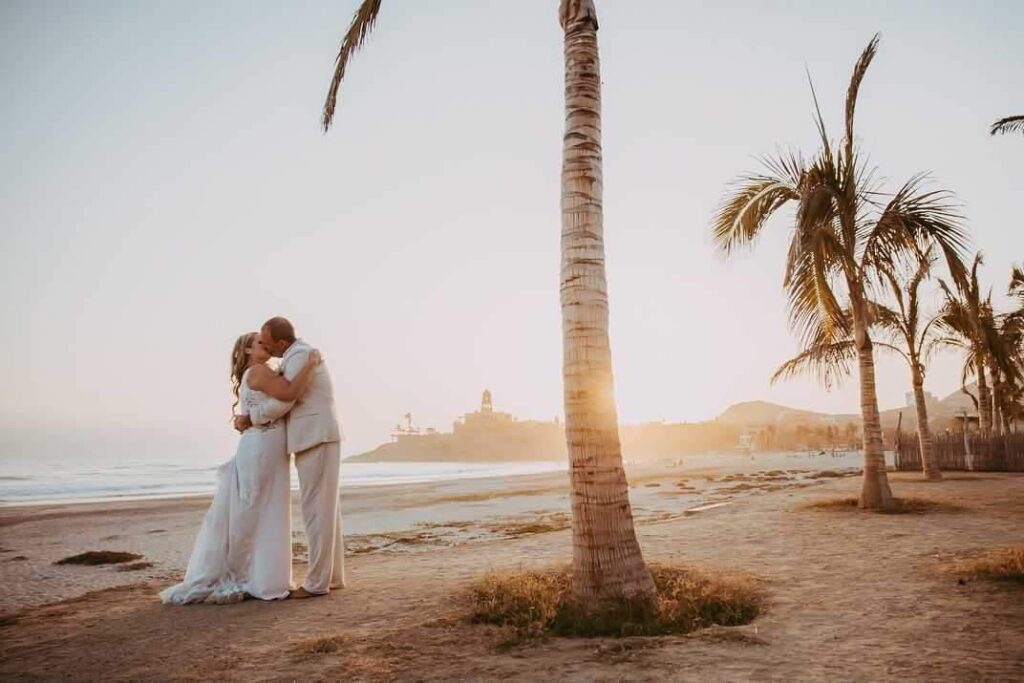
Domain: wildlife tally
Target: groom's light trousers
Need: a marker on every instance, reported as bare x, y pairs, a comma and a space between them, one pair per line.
319, 468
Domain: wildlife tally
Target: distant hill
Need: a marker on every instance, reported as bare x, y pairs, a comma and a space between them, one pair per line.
498, 437
764, 413
758, 413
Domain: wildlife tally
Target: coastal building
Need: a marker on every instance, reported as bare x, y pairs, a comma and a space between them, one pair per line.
484, 435
483, 420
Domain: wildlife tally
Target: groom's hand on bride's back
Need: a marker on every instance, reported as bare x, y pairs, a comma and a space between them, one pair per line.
242, 422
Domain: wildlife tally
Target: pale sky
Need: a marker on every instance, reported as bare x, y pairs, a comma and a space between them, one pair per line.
165, 186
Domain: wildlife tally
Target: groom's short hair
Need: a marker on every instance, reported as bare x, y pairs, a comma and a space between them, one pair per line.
280, 329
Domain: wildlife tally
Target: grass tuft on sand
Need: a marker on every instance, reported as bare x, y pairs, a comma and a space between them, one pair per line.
97, 557
904, 506
536, 604
324, 645
997, 564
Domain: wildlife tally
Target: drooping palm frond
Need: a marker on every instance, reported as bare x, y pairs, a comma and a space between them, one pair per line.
752, 200
830, 363
829, 352
964, 390
816, 255
362, 23
1011, 124
914, 218
956, 321
813, 307
891, 322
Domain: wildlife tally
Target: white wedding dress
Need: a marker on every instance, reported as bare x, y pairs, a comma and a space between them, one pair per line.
244, 543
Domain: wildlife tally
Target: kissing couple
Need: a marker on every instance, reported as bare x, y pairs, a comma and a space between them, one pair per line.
244, 544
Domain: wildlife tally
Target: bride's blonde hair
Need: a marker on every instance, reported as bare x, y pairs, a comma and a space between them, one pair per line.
239, 362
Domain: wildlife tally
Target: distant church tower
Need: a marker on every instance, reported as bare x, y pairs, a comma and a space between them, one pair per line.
485, 403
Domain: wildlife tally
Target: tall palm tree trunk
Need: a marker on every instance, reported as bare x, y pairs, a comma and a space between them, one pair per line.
875, 492
607, 561
984, 399
994, 374
924, 432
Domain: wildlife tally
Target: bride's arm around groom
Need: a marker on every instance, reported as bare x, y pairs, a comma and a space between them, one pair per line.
283, 389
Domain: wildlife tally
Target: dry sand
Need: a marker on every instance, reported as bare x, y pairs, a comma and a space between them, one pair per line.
853, 596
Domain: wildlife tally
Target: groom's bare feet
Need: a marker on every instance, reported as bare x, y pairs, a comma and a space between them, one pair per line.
300, 593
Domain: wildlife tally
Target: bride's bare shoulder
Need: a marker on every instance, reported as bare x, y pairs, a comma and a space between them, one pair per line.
257, 373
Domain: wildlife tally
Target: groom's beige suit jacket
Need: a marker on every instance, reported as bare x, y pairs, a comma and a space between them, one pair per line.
311, 420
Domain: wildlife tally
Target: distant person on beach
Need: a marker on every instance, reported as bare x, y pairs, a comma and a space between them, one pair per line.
243, 548
314, 436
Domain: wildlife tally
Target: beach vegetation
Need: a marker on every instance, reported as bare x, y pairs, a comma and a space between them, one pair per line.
542, 603
901, 506
999, 564
99, 557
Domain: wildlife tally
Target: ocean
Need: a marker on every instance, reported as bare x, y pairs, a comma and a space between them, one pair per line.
26, 482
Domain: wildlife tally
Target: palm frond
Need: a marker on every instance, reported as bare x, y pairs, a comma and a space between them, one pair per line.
859, 70
819, 120
815, 255
964, 390
362, 23
753, 199
830, 363
914, 218
1016, 287
893, 323
930, 343
1011, 124
885, 346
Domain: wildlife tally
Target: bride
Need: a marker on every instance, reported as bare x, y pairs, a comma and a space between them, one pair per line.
244, 543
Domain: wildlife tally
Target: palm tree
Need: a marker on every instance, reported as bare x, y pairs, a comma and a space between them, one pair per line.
1007, 345
1011, 124
914, 339
843, 235
963, 321
607, 560
908, 336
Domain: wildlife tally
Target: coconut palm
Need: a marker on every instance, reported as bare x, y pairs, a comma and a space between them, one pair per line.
963, 322
1007, 349
914, 339
907, 335
843, 234
1011, 124
607, 561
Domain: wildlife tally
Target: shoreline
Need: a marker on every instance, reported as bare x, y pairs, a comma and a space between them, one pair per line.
731, 461
400, 519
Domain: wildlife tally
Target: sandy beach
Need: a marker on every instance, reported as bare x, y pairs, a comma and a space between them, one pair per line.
851, 596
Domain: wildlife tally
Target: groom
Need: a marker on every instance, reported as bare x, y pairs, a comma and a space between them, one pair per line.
314, 437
